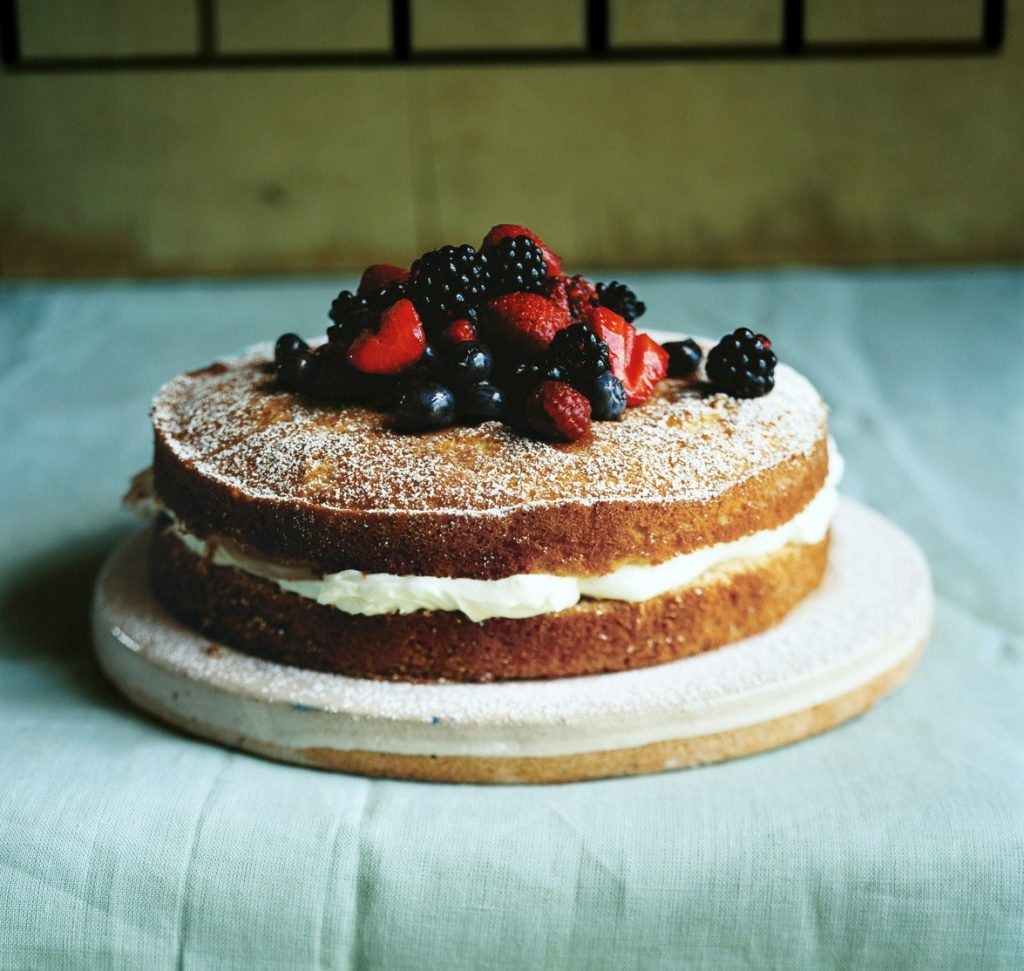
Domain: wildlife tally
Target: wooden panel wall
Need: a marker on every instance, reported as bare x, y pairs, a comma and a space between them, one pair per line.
684, 164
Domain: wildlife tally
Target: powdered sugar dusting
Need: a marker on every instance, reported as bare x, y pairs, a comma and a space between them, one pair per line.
235, 426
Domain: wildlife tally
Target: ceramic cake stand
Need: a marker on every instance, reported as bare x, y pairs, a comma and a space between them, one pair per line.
844, 647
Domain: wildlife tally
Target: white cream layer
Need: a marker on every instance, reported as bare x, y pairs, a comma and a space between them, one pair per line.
525, 594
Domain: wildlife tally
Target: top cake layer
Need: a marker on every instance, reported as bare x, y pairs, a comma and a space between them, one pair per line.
336, 488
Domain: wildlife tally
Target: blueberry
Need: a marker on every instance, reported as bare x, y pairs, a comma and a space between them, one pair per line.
469, 362
328, 371
429, 359
293, 372
289, 346
481, 400
425, 406
683, 358
607, 397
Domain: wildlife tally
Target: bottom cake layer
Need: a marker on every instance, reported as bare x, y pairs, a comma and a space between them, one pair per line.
847, 644
595, 636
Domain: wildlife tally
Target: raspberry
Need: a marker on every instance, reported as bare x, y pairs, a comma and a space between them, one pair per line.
507, 231
582, 295
558, 410
398, 344
742, 364
526, 321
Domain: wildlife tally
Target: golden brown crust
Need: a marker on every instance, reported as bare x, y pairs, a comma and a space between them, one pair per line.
256, 616
296, 482
571, 540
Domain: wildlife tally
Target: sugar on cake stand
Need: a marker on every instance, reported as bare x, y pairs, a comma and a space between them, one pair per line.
838, 652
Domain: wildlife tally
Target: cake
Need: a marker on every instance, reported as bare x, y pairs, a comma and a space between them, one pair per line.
603, 503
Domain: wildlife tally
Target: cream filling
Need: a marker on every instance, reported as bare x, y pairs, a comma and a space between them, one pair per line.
525, 594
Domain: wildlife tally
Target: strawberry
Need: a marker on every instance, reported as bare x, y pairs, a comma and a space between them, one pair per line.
637, 360
398, 343
527, 321
380, 276
647, 366
558, 410
506, 230
458, 331
617, 334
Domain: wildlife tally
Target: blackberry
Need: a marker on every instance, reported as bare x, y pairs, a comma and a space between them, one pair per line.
579, 352
345, 304
683, 357
425, 406
607, 397
515, 264
352, 314
742, 364
527, 375
619, 298
448, 283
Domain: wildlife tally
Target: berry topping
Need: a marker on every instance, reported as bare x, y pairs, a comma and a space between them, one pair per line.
448, 283
637, 360
742, 364
559, 351
468, 362
380, 276
579, 352
526, 322
526, 375
508, 231
425, 406
516, 264
398, 344
293, 371
482, 400
618, 297
459, 330
648, 364
288, 346
607, 397
683, 357
617, 333
350, 314
558, 410
329, 373
581, 293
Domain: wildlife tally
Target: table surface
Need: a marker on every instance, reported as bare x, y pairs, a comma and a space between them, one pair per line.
896, 841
